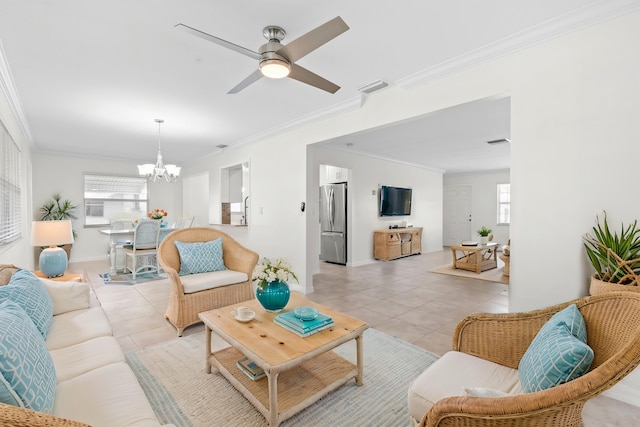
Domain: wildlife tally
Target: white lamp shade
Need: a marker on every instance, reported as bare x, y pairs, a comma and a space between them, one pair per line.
146, 169
51, 233
173, 170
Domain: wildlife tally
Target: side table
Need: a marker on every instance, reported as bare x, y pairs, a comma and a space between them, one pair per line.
67, 277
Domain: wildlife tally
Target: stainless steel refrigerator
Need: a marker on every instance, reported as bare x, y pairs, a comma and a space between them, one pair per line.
333, 223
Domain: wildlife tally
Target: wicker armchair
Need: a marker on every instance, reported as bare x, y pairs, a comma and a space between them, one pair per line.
183, 308
613, 332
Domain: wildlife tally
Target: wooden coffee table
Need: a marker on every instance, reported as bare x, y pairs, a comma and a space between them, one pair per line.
299, 371
475, 258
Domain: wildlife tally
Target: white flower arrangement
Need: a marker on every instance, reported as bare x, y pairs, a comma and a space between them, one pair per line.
270, 271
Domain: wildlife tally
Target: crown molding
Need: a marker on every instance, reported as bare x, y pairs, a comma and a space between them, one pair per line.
386, 159
587, 16
347, 105
10, 92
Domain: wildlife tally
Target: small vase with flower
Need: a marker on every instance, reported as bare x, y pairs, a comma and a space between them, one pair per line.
272, 290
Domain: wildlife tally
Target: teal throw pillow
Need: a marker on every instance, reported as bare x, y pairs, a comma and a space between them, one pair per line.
571, 317
200, 257
25, 363
554, 357
29, 292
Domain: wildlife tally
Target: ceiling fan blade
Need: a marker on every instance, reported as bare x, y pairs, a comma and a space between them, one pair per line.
305, 76
313, 39
219, 41
251, 78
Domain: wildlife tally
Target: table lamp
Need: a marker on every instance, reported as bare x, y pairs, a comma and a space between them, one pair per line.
53, 260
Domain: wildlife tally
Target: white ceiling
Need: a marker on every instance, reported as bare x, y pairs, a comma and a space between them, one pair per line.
92, 76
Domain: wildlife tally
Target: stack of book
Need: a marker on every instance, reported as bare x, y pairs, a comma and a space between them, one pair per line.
250, 368
303, 328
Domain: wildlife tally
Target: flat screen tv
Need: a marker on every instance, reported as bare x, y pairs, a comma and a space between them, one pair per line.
395, 201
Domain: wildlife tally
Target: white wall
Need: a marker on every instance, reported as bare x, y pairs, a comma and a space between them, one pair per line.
484, 200
64, 175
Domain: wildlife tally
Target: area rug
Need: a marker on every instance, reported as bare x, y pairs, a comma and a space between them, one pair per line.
127, 279
173, 378
493, 275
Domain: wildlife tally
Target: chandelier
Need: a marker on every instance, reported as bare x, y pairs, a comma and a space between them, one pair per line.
158, 171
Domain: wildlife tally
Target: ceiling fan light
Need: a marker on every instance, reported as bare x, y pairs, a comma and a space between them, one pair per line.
275, 68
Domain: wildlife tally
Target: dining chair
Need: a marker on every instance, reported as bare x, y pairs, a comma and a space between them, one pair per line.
119, 244
184, 222
142, 253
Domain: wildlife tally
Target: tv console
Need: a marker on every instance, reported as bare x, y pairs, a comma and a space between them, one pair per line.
397, 243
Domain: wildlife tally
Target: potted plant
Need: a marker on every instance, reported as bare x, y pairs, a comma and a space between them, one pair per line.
614, 256
484, 235
56, 209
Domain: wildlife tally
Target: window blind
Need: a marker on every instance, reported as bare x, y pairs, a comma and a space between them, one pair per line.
108, 197
10, 204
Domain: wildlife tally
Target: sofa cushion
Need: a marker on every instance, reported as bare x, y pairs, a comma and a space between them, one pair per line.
105, 397
86, 356
554, 357
67, 296
85, 324
28, 292
451, 374
25, 363
483, 392
200, 257
214, 279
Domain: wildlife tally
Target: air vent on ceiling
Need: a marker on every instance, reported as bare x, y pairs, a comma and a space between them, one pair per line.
372, 87
499, 141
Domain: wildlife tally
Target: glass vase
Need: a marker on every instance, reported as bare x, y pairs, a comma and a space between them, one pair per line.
274, 296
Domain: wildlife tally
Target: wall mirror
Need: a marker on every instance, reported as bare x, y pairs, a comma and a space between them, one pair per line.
234, 194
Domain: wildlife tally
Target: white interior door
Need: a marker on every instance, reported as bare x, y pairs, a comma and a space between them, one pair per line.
456, 214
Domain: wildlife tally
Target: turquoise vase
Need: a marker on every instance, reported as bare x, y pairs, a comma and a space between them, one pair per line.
275, 295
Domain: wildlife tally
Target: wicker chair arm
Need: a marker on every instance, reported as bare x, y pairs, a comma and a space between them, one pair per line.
174, 280
523, 410
239, 258
12, 416
502, 338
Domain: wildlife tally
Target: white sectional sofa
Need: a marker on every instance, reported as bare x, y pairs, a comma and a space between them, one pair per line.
93, 384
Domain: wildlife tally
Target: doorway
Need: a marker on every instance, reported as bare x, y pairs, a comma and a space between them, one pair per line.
456, 214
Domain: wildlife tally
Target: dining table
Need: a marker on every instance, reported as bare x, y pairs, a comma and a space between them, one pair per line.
124, 237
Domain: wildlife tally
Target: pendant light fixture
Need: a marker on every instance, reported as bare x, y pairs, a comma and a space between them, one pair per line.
158, 171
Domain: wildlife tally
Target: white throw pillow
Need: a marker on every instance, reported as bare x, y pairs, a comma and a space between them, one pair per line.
483, 392
67, 296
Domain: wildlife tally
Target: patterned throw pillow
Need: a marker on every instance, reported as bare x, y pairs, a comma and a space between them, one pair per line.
25, 364
28, 291
200, 257
571, 317
554, 357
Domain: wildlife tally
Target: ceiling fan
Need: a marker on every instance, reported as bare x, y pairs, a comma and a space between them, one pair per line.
277, 60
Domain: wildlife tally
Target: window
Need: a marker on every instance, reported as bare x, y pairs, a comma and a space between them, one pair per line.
108, 197
10, 203
504, 203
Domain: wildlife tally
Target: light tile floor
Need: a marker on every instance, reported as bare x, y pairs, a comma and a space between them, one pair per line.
400, 297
